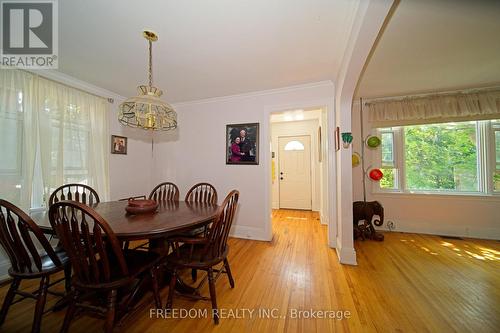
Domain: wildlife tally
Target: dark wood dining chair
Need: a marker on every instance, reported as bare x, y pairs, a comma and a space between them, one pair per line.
203, 253
202, 192
76, 192
165, 192
205, 193
17, 232
100, 265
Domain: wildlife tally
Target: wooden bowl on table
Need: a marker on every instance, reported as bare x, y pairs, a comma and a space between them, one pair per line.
141, 206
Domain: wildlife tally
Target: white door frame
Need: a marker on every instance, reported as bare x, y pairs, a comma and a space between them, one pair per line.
329, 105
311, 178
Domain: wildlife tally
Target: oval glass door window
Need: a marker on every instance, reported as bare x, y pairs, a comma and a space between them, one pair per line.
294, 145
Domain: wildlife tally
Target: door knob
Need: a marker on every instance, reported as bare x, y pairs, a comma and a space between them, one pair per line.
281, 173
281, 178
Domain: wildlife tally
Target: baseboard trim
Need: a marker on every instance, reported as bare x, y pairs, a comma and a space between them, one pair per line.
323, 219
346, 256
245, 232
445, 230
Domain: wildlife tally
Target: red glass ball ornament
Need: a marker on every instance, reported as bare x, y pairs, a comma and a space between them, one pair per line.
376, 174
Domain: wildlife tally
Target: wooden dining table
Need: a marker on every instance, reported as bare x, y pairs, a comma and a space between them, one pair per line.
171, 217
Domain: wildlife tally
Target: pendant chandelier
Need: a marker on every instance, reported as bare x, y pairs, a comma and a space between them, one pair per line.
147, 110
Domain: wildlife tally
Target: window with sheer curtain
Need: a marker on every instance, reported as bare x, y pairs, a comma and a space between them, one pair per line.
51, 134
440, 143
458, 158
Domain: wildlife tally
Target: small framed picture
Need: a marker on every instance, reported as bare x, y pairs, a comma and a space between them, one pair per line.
242, 143
118, 145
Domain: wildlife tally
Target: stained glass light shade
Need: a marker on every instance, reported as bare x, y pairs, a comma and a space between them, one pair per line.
148, 111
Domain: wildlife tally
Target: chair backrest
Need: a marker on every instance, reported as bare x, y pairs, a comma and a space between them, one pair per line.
89, 242
165, 192
16, 230
218, 232
76, 192
202, 192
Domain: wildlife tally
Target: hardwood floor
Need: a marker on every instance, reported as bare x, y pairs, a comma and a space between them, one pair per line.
408, 283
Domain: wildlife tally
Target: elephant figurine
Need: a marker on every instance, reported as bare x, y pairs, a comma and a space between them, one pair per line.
364, 211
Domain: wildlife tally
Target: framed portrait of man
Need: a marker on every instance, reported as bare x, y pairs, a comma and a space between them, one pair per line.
242, 144
118, 145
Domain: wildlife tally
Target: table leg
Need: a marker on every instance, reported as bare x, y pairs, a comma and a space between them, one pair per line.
161, 246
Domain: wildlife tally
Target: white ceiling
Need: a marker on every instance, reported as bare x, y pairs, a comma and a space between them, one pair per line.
295, 115
206, 48
432, 45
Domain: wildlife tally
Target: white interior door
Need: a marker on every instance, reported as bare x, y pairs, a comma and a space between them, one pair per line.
295, 172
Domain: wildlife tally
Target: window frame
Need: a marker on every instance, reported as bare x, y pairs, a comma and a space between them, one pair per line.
392, 162
397, 166
486, 163
494, 166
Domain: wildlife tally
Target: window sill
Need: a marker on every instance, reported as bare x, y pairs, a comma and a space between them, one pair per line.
438, 195
38, 209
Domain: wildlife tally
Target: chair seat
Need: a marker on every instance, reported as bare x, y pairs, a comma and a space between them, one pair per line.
191, 233
48, 266
184, 257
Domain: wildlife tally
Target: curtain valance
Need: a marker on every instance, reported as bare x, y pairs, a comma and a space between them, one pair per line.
439, 108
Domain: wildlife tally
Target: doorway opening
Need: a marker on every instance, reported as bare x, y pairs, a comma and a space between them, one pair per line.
299, 160
294, 167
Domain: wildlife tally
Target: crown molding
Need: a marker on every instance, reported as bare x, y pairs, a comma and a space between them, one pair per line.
93, 89
77, 83
257, 93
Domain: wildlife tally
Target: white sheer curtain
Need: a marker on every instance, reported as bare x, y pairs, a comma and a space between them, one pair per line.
439, 108
18, 135
73, 138
59, 131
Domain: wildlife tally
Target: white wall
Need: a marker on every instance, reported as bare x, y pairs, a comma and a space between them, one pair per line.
298, 128
130, 174
451, 215
196, 151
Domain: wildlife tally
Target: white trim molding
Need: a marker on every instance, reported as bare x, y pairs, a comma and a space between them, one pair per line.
256, 93
78, 84
245, 232
323, 219
347, 255
368, 22
438, 229
328, 104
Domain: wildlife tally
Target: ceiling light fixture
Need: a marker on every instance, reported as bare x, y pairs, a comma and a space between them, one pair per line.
147, 110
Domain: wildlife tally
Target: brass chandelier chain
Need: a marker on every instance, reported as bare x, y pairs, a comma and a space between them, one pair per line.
147, 110
150, 63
